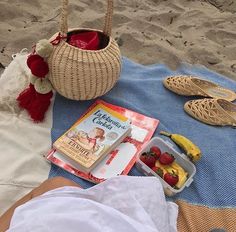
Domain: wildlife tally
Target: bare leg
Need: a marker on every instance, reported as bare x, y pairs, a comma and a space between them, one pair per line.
46, 186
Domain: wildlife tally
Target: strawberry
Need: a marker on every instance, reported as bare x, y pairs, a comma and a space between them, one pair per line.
171, 178
156, 150
158, 171
166, 158
148, 159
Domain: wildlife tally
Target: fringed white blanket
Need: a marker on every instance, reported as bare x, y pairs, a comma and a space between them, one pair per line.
22, 142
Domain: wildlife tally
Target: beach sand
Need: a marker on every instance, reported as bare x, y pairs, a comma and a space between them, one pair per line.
148, 31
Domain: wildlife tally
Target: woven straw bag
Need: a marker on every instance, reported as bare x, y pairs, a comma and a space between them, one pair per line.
84, 74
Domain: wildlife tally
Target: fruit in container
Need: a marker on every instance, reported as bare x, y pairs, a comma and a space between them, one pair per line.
166, 158
183, 176
171, 178
165, 166
177, 169
158, 171
156, 150
148, 159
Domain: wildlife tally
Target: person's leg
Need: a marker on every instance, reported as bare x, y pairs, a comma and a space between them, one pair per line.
46, 186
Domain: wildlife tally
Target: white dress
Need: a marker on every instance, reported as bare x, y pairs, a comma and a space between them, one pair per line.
124, 203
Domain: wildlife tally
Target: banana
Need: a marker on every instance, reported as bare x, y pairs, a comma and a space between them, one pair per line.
183, 175
191, 150
182, 179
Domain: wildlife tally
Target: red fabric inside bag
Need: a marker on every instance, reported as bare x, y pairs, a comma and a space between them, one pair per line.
85, 40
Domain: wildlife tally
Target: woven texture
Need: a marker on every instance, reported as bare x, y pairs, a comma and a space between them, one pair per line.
194, 218
84, 74
212, 111
193, 86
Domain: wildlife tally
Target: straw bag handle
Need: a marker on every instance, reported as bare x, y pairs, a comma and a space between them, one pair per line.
107, 24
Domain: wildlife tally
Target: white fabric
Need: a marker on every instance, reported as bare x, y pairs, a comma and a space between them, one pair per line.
122, 203
22, 142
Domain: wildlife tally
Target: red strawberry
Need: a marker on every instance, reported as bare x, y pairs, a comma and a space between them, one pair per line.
166, 158
148, 159
171, 178
156, 150
158, 171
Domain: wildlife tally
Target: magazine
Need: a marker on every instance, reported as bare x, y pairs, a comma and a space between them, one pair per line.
121, 159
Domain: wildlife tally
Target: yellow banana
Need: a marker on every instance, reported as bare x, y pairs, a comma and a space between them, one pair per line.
183, 175
182, 179
191, 150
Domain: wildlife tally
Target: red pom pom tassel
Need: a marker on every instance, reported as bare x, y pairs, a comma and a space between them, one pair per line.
33, 57
39, 106
26, 97
39, 68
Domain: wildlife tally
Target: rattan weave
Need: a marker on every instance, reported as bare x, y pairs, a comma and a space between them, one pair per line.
212, 111
194, 86
84, 74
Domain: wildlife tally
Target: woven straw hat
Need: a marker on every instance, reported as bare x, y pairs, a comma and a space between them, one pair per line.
84, 74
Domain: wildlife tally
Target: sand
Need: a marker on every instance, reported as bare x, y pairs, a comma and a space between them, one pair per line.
148, 31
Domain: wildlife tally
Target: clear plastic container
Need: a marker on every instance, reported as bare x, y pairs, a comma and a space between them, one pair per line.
181, 159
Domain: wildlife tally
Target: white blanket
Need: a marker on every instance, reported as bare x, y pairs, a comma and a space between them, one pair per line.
22, 142
124, 203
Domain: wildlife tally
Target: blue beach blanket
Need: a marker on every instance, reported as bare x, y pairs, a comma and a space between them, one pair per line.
140, 88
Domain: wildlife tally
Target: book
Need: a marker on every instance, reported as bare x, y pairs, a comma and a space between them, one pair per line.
93, 136
121, 159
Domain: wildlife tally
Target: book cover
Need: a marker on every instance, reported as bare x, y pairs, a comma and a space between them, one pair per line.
93, 136
123, 157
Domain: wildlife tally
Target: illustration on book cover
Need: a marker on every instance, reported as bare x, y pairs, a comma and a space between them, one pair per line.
90, 141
